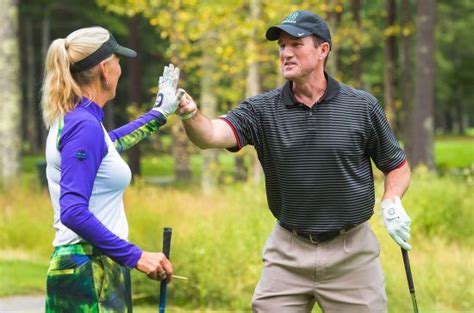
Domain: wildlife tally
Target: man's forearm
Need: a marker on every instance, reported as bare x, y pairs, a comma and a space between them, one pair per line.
202, 131
397, 182
199, 130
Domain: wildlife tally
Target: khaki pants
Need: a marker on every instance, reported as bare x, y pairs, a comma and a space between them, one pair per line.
341, 275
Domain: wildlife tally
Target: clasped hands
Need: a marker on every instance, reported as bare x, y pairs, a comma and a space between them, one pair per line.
169, 96
396, 221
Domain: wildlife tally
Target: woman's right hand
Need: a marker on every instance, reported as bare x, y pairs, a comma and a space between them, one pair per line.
155, 265
168, 96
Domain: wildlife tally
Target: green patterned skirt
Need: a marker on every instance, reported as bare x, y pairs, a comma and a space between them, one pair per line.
81, 279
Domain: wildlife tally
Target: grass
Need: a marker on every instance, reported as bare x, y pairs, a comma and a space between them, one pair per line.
454, 152
218, 237
22, 276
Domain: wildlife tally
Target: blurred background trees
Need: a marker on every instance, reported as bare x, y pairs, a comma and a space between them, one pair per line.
9, 93
414, 56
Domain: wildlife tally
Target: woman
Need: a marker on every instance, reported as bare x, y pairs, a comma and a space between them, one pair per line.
90, 267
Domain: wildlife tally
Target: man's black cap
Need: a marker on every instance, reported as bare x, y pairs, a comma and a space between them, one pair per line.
300, 24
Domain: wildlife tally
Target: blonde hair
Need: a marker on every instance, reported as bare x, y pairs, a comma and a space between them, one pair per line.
61, 88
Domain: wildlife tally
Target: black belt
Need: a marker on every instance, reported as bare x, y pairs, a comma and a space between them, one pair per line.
317, 237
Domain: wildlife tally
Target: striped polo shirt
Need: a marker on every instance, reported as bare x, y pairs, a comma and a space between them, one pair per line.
317, 161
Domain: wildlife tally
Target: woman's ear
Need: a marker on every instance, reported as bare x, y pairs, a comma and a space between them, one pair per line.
103, 71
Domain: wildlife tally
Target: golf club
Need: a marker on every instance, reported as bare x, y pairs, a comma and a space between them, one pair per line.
167, 232
411, 286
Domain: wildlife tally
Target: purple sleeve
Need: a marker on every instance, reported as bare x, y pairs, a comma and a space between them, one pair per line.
82, 146
133, 125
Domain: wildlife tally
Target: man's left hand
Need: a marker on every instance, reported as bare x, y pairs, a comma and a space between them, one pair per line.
397, 221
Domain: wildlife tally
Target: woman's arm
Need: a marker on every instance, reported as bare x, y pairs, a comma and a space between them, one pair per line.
132, 133
82, 147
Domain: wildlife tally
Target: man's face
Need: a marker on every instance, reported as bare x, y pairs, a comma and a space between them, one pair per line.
298, 56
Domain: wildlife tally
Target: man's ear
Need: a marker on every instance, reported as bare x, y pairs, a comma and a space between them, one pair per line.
325, 48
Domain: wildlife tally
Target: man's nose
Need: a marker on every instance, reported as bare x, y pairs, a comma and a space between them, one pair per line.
286, 53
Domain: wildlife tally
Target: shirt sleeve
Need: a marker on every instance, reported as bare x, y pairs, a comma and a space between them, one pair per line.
244, 123
82, 147
383, 146
132, 133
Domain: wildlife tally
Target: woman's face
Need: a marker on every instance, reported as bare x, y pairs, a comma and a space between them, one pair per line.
113, 74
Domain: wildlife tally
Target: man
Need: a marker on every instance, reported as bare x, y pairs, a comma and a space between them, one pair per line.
315, 138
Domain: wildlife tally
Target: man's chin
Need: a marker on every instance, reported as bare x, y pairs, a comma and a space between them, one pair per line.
289, 75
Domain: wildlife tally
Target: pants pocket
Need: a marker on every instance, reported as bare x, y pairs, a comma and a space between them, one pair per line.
70, 285
67, 264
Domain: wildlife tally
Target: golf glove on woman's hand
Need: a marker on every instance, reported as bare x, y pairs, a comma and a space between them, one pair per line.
396, 221
167, 99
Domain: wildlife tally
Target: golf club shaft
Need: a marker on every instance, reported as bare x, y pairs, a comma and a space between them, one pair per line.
411, 286
167, 232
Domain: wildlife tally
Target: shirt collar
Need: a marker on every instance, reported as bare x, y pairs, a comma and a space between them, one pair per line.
289, 98
92, 107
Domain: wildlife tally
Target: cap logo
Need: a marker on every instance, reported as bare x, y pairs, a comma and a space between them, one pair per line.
291, 18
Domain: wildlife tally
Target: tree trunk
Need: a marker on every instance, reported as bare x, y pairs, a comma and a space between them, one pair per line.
252, 89
406, 77
333, 20
45, 42
208, 102
181, 145
10, 94
31, 99
390, 56
356, 63
461, 118
422, 149
135, 85
181, 153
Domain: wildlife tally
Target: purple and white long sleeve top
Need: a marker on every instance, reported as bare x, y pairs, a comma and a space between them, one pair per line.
87, 179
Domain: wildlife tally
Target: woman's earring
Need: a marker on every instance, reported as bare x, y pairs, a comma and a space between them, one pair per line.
107, 82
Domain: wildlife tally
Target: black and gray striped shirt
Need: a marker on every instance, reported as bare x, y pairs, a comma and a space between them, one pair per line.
316, 160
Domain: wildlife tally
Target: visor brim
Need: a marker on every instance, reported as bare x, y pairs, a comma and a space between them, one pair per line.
126, 52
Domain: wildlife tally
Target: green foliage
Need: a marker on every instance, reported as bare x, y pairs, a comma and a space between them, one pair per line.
25, 211
218, 238
455, 67
216, 243
441, 206
22, 276
454, 152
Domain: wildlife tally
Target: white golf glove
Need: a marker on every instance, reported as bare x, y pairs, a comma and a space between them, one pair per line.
167, 99
396, 221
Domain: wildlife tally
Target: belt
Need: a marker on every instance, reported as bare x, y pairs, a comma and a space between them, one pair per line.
317, 237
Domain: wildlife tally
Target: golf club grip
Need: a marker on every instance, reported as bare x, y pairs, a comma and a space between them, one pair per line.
167, 232
406, 262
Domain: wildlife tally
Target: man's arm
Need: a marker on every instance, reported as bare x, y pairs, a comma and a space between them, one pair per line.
397, 182
202, 131
396, 220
